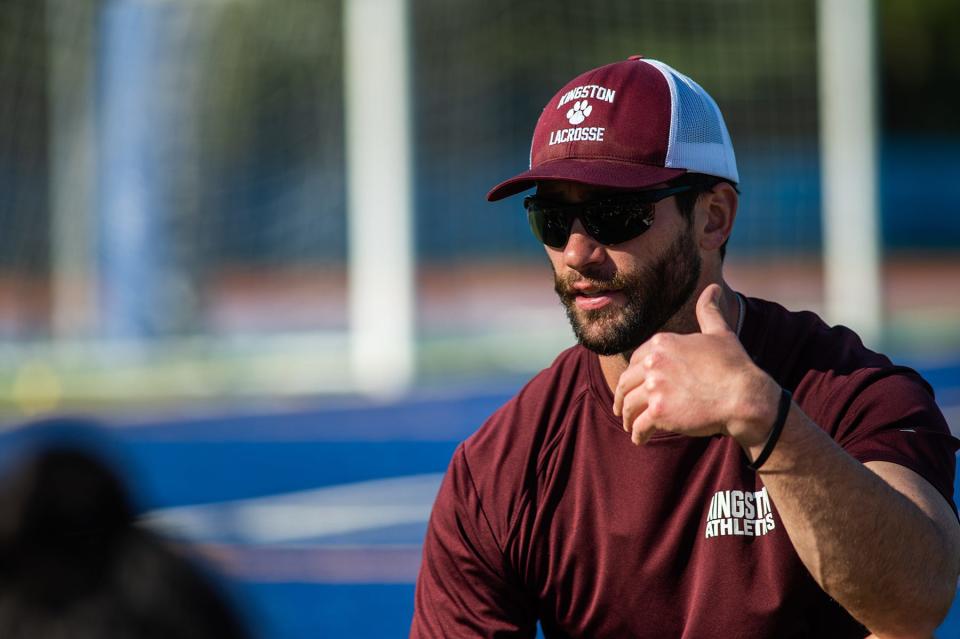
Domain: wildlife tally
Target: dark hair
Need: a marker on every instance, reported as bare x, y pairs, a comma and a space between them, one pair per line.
687, 200
73, 563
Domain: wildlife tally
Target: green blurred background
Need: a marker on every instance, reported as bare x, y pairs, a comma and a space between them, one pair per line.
238, 121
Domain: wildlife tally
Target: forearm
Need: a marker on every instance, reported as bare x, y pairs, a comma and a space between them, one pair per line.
849, 528
885, 547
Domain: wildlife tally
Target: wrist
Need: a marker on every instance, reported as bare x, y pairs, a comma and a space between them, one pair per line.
755, 412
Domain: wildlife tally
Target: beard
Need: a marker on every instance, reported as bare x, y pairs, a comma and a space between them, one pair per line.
654, 295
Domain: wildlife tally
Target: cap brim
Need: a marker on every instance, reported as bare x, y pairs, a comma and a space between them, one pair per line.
601, 173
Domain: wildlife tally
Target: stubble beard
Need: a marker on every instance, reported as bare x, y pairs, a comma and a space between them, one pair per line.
654, 296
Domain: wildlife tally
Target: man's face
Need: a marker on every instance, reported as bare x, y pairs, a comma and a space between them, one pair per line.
619, 296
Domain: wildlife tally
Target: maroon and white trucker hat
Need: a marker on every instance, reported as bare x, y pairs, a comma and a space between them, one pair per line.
628, 125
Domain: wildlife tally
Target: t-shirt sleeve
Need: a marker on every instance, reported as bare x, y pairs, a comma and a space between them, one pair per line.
464, 588
894, 418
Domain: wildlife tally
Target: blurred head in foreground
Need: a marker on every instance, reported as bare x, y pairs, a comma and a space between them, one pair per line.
74, 564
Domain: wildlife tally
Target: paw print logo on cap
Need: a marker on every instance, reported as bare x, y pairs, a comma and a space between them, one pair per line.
579, 112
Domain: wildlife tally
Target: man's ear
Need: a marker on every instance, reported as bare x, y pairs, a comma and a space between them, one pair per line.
716, 210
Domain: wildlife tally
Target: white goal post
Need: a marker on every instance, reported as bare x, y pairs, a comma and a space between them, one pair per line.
848, 166
379, 195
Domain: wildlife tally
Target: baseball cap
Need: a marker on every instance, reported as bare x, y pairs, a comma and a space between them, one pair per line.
628, 125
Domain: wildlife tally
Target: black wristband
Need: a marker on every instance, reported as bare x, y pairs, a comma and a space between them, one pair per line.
782, 410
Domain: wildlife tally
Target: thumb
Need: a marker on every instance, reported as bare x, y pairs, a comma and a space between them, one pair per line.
708, 311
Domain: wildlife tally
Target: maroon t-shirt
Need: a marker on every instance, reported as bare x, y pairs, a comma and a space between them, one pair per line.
549, 512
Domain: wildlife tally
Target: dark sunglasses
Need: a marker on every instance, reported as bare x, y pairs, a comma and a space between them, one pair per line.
611, 219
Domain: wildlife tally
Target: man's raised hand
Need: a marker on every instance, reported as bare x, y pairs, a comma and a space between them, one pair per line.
698, 385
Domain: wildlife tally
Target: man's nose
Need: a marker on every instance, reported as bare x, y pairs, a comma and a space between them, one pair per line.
581, 249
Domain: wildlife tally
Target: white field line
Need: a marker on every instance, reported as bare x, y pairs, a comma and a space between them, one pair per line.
303, 515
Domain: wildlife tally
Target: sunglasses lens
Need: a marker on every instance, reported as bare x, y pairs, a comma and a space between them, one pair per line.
616, 223
610, 220
550, 227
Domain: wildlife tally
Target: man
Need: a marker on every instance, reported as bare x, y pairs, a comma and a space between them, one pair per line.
702, 464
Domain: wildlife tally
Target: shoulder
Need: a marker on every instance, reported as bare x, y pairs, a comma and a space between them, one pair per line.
540, 406
876, 410
805, 353
828, 367
503, 456
796, 341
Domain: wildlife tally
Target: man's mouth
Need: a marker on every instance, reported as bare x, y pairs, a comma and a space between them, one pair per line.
593, 299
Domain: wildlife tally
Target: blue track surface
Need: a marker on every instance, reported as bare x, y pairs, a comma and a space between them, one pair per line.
333, 610
186, 462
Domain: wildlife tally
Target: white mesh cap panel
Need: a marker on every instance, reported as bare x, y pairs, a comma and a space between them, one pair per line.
699, 141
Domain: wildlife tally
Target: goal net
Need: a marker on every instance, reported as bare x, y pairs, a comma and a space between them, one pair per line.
174, 182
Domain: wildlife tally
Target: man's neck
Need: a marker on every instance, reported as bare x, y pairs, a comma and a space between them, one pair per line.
614, 365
